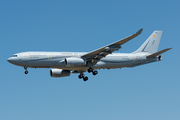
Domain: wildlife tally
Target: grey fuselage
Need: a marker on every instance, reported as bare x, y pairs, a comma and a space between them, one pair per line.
56, 60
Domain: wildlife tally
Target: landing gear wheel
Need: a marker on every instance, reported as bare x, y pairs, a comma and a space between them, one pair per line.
90, 70
95, 72
26, 72
80, 76
85, 78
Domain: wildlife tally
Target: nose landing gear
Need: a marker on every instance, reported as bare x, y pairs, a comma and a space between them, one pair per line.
26, 72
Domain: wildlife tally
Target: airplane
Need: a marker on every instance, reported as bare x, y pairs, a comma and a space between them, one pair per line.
65, 63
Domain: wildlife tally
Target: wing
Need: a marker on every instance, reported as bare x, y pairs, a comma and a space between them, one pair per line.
98, 54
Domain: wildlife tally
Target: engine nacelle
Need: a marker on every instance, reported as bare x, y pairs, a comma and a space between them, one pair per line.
74, 61
59, 73
159, 58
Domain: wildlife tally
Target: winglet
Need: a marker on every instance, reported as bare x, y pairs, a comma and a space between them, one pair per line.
139, 32
157, 53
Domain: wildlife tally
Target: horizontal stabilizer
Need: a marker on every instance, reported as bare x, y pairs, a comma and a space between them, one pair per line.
157, 53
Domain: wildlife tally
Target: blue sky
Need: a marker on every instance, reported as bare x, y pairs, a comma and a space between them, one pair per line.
145, 92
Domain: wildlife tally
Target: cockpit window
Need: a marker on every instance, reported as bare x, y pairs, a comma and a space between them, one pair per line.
14, 56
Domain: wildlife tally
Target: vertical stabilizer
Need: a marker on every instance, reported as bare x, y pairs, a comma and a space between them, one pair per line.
151, 44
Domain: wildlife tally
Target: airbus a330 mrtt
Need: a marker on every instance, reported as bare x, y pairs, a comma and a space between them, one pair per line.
64, 63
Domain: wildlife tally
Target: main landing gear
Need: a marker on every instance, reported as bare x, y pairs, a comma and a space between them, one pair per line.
94, 72
26, 72
85, 78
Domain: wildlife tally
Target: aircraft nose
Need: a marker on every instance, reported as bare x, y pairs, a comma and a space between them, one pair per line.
10, 60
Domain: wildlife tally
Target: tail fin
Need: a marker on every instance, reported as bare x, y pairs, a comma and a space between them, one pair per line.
151, 44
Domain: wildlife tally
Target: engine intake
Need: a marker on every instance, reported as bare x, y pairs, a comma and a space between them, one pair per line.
74, 61
59, 73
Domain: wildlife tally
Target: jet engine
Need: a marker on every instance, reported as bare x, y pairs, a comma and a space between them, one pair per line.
59, 73
74, 61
